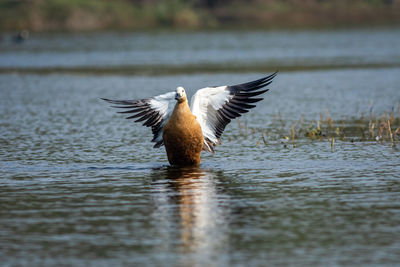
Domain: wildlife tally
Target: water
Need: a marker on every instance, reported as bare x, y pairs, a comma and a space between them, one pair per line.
80, 185
273, 49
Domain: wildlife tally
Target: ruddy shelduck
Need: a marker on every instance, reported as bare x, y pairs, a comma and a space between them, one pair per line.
186, 131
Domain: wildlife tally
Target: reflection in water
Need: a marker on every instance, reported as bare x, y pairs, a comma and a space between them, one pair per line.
189, 204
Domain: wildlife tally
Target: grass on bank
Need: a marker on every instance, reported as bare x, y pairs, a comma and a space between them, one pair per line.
383, 129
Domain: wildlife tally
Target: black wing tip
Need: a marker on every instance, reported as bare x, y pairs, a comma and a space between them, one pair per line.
105, 99
251, 94
253, 85
275, 73
270, 76
111, 101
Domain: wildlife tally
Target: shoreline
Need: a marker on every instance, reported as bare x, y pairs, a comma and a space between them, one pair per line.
121, 15
160, 70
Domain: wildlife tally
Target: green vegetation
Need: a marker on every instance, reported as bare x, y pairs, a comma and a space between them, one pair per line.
382, 129
81, 15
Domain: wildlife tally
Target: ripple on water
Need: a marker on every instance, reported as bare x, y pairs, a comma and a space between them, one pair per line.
80, 185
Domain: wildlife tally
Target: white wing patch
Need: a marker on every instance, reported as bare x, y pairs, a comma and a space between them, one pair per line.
204, 105
154, 111
215, 107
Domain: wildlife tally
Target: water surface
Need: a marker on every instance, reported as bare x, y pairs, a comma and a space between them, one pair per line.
221, 50
80, 185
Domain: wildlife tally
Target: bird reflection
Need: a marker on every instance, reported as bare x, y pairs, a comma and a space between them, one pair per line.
193, 201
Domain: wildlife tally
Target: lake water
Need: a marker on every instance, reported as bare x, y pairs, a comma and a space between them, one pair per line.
80, 185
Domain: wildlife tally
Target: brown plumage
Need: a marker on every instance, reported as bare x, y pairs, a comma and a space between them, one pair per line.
182, 135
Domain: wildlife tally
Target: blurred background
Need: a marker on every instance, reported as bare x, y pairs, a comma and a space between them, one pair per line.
175, 36
84, 15
310, 177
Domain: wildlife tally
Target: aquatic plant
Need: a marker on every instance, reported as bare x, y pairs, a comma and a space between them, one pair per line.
383, 129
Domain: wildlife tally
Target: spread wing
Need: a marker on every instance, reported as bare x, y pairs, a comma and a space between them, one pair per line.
215, 107
154, 111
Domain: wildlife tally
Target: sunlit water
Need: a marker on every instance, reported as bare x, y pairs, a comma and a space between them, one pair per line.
81, 185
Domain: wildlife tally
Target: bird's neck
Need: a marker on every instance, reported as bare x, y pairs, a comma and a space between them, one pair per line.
181, 110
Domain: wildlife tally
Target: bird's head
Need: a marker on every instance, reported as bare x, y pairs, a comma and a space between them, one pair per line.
180, 94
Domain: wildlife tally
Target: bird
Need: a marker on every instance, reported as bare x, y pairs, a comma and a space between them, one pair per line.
21, 36
185, 130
